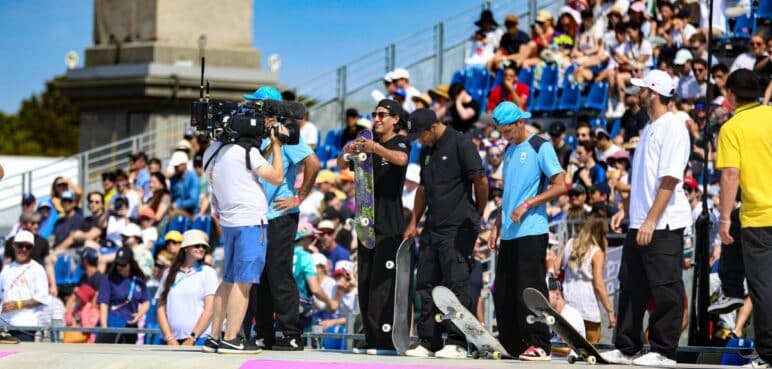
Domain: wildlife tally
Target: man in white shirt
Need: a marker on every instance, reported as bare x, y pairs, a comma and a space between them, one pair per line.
309, 132
402, 80
568, 312
653, 250
604, 148
747, 60
23, 288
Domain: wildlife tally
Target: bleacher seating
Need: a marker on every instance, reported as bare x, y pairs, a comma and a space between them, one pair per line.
764, 10
597, 99
477, 83
744, 27
546, 100
67, 270
526, 76
570, 98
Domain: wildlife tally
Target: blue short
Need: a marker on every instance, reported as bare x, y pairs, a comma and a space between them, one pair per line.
244, 253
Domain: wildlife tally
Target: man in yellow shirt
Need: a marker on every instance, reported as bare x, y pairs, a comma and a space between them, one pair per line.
745, 158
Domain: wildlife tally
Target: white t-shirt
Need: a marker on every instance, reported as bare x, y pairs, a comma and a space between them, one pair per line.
309, 133
24, 282
574, 318
679, 39
743, 61
240, 198
185, 301
149, 236
663, 150
114, 230
408, 198
309, 208
635, 51
605, 154
328, 286
348, 302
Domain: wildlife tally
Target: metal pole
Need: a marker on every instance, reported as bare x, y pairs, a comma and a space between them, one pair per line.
341, 90
83, 178
532, 9
439, 51
392, 57
486, 5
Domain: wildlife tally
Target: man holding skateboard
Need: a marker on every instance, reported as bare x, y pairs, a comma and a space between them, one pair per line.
532, 177
451, 176
376, 267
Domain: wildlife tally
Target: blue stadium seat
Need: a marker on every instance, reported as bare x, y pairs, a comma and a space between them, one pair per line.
549, 76
458, 77
571, 141
334, 343
179, 223
67, 270
566, 74
570, 98
597, 98
203, 223
526, 76
764, 11
598, 122
477, 82
546, 100
323, 153
329, 139
151, 322
744, 27
498, 79
616, 127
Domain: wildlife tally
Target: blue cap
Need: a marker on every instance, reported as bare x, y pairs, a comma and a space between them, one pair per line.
90, 255
28, 199
68, 195
507, 113
264, 93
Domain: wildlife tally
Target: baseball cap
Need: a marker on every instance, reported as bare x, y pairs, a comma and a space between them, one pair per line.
326, 224
638, 7
194, 237
601, 131
682, 56
178, 158
346, 176
632, 90
147, 212
577, 188
602, 187
305, 229
68, 195
85, 292
320, 259
400, 92
421, 120
557, 129
131, 230
90, 255
343, 266
189, 133
691, 182
352, 113
744, 83
400, 73
389, 77
621, 154
657, 81
124, 255
391, 106
175, 236
413, 173
507, 113
27, 199
263, 93
183, 145
24, 237
325, 176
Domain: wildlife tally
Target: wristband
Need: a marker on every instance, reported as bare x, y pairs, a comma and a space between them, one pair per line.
193, 335
18, 305
525, 205
722, 221
298, 200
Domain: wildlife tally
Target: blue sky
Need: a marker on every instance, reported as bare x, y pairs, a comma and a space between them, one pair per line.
35, 35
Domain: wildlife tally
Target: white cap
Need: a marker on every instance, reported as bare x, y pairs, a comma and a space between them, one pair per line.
389, 77
413, 173
178, 158
682, 56
183, 145
657, 81
326, 224
131, 230
24, 237
194, 237
364, 122
320, 259
344, 265
573, 13
400, 73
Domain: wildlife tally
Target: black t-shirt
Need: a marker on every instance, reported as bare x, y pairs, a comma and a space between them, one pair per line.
65, 225
93, 221
447, 171
564, 155
94, 281
464, 125
633, 123
349, 134
389, 179
511, 43
38, 253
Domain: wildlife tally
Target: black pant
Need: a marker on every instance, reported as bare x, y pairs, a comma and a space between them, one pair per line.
443, 260
757, 254
277, 291
376, 290
731, 269
520, 264
653, 270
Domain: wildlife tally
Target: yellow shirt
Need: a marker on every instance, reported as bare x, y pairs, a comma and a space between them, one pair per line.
745, 142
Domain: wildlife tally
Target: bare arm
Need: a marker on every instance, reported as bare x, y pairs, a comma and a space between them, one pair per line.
163, 323
274, 173
103, 315
311, 168
598, 283
419, 206
557, 188
480, 185
318, 292
205, 317
392, 156
464, 112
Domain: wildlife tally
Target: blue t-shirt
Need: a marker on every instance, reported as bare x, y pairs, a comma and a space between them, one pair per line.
292, 155
185, 191
337, 254
527, 173
121, 298
303, 268
143, 181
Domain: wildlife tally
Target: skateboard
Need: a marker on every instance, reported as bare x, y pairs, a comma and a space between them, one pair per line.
363, 182
484, 342
544, 313
403, 307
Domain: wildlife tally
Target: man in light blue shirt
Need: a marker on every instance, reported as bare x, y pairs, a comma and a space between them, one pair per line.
532, 177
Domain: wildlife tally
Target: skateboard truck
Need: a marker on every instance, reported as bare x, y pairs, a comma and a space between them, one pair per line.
452, 314
546, 319
364, 222
359, 157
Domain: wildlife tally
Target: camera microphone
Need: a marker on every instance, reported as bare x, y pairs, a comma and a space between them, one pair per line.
286, 109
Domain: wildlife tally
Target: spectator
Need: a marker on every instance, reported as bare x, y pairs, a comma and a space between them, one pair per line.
568, 22
123, 189
674, 27
352, 128
568, 312
604, 148
70, 220
488, 25
513, 45
402, 80
30, 222
481, 50
509, 90
92, 229
700, 70
304, 271
166, 254
89, 261
190, 136
326, 282
139, 175
23, 288
589, 172
583, 132
331, 250
161, 199
60, 186
440, 99
542, 32
634, 118
634, 55
154, 166
132, 237
557, 133
123, 298
83, 313
186, 293
588, 55
149, 233
422, 101
578, 210
697, 45
344, 293
308, 132
203, 193
28, 205
638, 14
618, 175
116, 222
463, 111
493, 159
687, 86
757, 53
184, 186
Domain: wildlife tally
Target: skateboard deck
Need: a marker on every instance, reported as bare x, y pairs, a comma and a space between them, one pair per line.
544, 313
452, 310
400, 334
363, 192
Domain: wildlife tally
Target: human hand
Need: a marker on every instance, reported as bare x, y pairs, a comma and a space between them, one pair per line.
333, 306
493, 239
326, 324
52, 290
134, 318
612, 319
367, 146
643, 238
10, 306
616, 221
285, 204
410, 231
723, 231
172, 342
189, 342
517, 215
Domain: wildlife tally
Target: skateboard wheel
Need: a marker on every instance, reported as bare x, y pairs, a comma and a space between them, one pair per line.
550, 320
496, 355
459, 316
362, 156
572, 359
347, 157
349, 222
530, 319
386, 328
475, 355
364, 222
592, 360
438, 318
390, 265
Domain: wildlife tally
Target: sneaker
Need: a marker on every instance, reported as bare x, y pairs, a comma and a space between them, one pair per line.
260, 342
362, 349
758, 363
617, 357
451, 352
238, 345
535, 353
654, 359
210, 344
7, 339
288, 343
419, 351
725, 305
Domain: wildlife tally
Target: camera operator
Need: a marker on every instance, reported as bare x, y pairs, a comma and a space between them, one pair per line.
277, 291
239, 203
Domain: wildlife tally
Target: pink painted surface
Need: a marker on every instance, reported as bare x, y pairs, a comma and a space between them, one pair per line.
287, 364
7, 353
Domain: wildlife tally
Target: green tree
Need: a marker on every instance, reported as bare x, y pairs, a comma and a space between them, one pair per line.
45, 125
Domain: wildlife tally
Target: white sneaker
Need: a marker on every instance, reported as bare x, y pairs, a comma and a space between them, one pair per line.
617, 357
654, 359
725, 305
419, 351
451, 352
758, 363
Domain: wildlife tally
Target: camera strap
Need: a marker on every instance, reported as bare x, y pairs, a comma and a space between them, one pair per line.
246, 143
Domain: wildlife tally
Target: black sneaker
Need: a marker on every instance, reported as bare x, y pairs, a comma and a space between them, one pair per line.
238, 345
210, 344
260, 342
7, 339
288, 343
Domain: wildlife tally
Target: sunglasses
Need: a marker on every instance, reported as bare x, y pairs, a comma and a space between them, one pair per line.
698, 70
495, 155
201, 247
575, 194
61, 185
325, 233
757, 43
23, 246
121, 265
381, 114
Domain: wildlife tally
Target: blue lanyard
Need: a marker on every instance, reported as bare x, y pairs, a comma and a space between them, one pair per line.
177, 281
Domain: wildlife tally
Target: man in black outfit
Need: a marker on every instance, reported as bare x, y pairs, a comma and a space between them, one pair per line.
451, 170
376, 280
